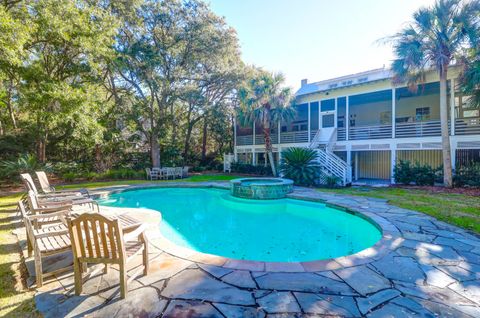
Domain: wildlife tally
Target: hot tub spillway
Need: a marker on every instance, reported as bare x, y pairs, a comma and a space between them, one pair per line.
261, 188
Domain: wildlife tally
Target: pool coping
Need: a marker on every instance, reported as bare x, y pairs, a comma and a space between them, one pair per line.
390, 240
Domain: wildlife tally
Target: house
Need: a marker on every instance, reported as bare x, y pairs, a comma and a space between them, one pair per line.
362, 124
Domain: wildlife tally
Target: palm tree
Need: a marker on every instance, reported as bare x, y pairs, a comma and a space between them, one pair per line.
436, 38
264, 99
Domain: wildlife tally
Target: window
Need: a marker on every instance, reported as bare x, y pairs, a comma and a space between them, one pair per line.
327, 105
328, 121
300, 126
422, 113
284, 128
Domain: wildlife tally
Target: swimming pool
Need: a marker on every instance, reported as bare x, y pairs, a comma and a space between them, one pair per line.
285, 230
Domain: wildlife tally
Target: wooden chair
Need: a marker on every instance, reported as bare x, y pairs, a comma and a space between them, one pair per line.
49, 189
47, 238
49, 218
100, 240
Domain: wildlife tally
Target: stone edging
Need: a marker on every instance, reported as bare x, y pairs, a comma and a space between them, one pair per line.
391, 238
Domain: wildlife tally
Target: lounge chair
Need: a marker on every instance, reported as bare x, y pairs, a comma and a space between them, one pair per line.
49, 239
49, 189
100, 240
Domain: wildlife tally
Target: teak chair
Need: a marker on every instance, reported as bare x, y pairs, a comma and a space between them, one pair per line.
47, 235
98, 239
49, 189
50, 216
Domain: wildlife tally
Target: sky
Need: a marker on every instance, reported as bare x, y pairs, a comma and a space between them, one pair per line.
316, 39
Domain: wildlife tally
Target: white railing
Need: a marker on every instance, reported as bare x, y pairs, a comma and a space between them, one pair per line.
260, 140
334, 165
329, 162
418, 129
341, 134
467, 126
370, 132
294, 137
245, 140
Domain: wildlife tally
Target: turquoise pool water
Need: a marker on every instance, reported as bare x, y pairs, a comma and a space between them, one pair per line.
285, 230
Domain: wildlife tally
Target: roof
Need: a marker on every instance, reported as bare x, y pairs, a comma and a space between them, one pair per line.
345, 81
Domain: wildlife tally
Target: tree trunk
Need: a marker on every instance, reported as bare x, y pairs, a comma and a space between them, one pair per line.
154, 150
41, 154
268, 141
99, 166
447, 161
1, 128
204, 140
186, 147
9, 105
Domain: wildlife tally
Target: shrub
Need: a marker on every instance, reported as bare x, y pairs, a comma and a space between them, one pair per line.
69, 176
468, 175
331, 181
421, 175
251, 169
403, 172
299, 164
26, 163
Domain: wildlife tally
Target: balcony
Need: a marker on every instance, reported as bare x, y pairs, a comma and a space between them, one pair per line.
370, 132
467, 126
418, 129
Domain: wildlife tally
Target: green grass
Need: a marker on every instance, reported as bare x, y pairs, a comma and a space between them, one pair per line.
15, 299
101, 184
458, 209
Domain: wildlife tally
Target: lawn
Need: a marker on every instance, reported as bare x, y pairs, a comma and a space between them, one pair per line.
458, 209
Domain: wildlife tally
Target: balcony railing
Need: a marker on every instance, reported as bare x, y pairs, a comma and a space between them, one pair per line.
370, 132
260, 140
245, 140
467, 126
418, 129
341, 134
294, 137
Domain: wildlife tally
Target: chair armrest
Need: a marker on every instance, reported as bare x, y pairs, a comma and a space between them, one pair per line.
51, 233
50, 204
39, 217
49, 210
132, 233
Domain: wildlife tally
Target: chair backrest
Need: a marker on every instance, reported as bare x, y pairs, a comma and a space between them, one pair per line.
148, 171
28, 182
24, 211
32, 200
43, 180
96, 239
179, 171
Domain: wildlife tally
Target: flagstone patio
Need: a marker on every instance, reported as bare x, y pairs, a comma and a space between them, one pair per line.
425, 268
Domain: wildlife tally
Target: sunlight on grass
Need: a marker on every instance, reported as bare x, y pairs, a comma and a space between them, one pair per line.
458, 209
15, 301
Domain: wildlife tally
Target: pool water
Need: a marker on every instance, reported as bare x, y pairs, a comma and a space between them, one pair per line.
285, 230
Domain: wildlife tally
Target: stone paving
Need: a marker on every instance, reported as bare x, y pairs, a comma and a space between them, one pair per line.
434, 271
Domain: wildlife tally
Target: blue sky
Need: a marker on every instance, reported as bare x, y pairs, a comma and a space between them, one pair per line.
316, 39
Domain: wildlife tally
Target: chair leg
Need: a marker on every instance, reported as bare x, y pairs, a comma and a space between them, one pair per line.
123, 281
146, 264
78, 269
105, 269
29, 247
38, 269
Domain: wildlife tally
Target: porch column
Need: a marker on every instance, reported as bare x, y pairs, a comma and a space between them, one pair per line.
356, 166
452, 109
254, 157
347, 120
393, 162
393, 112
453, 155
349, 157
308, 129
335, 119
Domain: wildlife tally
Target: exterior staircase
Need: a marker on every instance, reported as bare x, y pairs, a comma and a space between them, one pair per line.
330, 164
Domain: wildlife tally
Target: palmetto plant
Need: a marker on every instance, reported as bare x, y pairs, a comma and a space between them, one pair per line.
436, 38
264, 99
300, 165
25, 163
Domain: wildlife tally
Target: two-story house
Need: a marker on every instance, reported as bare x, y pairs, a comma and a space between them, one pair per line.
362, 124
